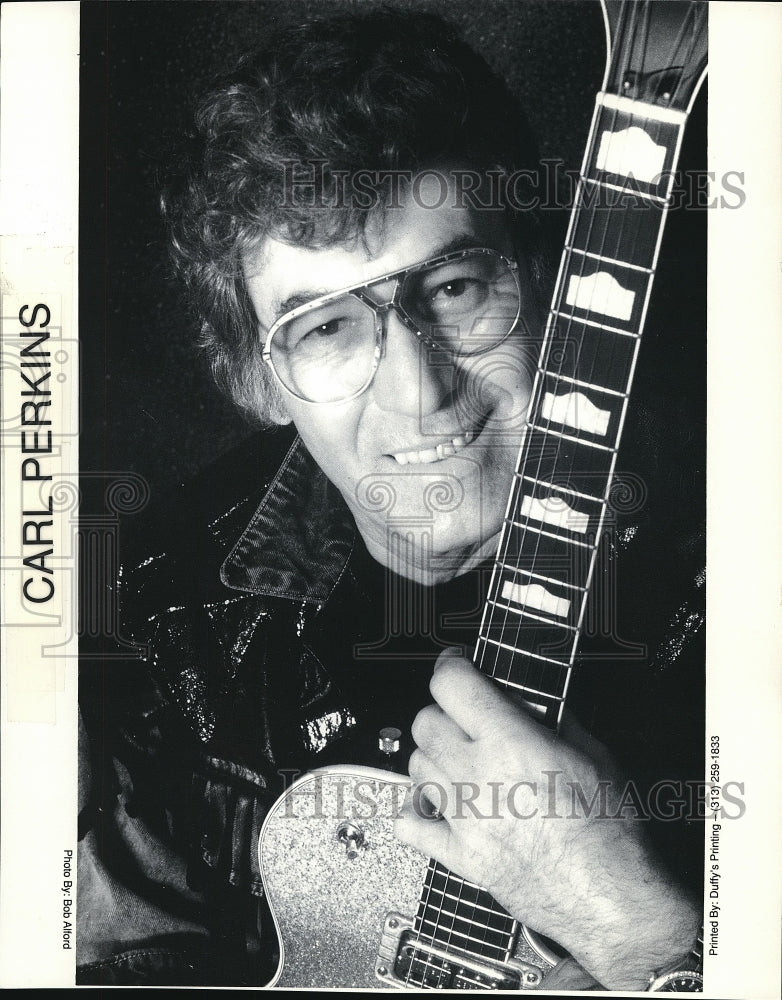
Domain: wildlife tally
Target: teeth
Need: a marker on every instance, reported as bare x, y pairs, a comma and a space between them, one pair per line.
435, 454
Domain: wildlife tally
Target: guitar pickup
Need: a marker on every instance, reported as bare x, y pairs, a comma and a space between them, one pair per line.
406, 959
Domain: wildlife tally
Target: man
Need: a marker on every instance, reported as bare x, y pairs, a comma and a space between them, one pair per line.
362, 275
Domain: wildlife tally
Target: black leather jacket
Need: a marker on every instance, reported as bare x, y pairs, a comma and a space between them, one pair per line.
246, 595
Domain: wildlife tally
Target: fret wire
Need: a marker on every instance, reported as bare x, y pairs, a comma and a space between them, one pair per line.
424, 900
530, 690
584, 163
524, 613
499, 599
468, 937
584, 201
560, 538
636, 193
525, 652
568, 261
592, 322
436, 911
600, 503
586, 207
435, 870
609, 260
560, 489
477, 906
617, 102
547, 579
570, 437
584, 385
501, 932
551, 381
547, 377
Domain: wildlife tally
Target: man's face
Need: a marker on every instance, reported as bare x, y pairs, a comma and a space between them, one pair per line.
425, 456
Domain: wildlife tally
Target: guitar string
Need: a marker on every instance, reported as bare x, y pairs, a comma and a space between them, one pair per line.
541, 382
548, 347
548, 352
692, 14
539, 385
523, 466
566, 271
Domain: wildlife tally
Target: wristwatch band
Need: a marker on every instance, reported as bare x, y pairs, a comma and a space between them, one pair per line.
685, 975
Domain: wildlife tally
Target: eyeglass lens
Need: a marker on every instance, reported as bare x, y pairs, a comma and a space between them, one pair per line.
467, 305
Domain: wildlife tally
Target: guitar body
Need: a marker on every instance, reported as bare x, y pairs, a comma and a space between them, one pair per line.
343, 910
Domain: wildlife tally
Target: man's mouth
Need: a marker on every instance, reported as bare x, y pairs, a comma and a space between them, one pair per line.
439, 452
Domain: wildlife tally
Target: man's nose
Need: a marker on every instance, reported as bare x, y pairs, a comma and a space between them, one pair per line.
412, 378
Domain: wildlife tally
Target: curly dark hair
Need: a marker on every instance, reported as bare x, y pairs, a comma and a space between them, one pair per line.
381, 90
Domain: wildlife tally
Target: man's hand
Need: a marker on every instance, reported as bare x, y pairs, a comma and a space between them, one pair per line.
532, 816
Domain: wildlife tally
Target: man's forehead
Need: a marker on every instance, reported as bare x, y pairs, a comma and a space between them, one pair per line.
282, 276
280, 306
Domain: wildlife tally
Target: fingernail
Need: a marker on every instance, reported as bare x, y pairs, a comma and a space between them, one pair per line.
452, 652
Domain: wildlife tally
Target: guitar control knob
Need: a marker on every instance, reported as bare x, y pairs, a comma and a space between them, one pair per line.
352, 837
388, 741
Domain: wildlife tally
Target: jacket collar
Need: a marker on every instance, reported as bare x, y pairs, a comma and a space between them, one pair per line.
299, 539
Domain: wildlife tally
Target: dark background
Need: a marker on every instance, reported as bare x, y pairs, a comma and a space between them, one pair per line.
147, 405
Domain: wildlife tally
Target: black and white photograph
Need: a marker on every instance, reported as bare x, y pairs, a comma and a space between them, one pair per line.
378, 599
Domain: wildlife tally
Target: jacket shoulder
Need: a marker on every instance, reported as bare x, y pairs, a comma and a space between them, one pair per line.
206, 513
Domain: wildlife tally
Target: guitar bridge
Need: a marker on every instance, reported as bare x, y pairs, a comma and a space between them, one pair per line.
406, 960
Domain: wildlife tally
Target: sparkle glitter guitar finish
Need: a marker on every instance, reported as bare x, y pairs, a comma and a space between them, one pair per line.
344, 891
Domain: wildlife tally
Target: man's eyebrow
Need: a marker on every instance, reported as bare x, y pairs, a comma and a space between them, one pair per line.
464, 241
294, 301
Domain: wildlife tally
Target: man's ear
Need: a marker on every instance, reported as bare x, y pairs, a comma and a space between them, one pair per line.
278, 411
280, 418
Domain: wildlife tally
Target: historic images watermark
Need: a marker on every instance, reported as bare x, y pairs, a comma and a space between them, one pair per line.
549, 187
550, 798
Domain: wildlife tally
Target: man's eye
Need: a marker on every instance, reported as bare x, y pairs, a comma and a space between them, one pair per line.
327, 329
453, 289
455, 297
322, 331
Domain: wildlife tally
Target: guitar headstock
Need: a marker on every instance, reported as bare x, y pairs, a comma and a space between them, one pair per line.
657, 50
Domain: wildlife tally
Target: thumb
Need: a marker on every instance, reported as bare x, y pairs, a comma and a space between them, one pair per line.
451, 653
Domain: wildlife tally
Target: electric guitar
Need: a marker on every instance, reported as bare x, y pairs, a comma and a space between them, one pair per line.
353, 907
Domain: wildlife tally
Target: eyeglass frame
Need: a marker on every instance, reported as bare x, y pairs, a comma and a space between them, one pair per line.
381, 310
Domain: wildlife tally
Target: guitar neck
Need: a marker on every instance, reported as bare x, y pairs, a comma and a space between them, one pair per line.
557, 508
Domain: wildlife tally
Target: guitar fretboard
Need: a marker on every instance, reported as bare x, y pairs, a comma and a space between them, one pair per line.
537, 596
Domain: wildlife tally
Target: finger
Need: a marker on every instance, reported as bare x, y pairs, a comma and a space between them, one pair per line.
470, 699
434, 839
429, 795
443, 741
